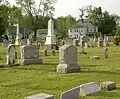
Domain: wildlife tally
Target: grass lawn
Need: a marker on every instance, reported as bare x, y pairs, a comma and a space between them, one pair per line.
22, 81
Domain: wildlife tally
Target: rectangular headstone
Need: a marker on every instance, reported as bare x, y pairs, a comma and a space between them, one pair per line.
41, 96
89, 89
5, 43
30, 55
71, 94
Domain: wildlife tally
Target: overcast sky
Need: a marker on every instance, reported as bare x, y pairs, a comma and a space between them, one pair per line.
70, 7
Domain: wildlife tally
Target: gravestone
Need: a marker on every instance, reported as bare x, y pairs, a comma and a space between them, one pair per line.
71, 94
82, 47
45, 52
18, 35
108, 85
89, 89
68, 59
41, 96
28, 42
106, 42
30, 55
75, 42
5, 43
100, 42
51, 37
11, 54
53, 52
106, 52
23, 42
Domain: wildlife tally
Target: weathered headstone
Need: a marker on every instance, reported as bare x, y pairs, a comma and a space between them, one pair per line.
75, 42
71, 94
100, 42
11, 54
82, 47
106, 52
45, 52
89, 89
41, 96
53, 52
106, 42
108, 85
68, 59
30, 55
23, 42
5, 43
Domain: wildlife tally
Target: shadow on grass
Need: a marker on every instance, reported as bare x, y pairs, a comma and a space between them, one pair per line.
101, 72
108, 94
41, 67
90, 66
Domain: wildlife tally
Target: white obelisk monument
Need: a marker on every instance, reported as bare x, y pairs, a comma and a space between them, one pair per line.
17, 41
51, 38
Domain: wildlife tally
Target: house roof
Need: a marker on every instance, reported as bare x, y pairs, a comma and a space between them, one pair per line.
79, 24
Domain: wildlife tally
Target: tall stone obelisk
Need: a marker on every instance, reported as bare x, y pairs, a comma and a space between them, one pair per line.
51, 38
17, 41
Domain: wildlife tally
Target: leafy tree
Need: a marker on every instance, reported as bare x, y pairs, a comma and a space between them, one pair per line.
63, 24
2, 26
105, 21
29, 7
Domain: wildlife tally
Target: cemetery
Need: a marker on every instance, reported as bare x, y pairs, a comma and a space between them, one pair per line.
59, 58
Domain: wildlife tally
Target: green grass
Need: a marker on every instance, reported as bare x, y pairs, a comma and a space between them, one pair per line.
22, 81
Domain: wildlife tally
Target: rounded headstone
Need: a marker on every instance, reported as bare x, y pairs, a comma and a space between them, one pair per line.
11, 54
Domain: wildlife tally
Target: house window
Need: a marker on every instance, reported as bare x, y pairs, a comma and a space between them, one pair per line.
95, 30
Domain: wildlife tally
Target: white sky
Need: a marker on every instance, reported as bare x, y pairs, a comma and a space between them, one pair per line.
70, 7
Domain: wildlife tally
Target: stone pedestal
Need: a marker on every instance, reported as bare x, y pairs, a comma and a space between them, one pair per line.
68, 60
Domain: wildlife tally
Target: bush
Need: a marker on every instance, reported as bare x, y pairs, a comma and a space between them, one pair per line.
116, 40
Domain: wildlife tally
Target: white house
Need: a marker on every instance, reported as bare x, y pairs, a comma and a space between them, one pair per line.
83, 28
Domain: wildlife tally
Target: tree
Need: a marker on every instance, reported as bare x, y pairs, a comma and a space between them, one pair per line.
29, 8
64, 23
105, 21
2, 26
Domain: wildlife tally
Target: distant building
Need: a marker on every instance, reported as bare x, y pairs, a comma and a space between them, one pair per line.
11, 32
83, 28
27, 33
